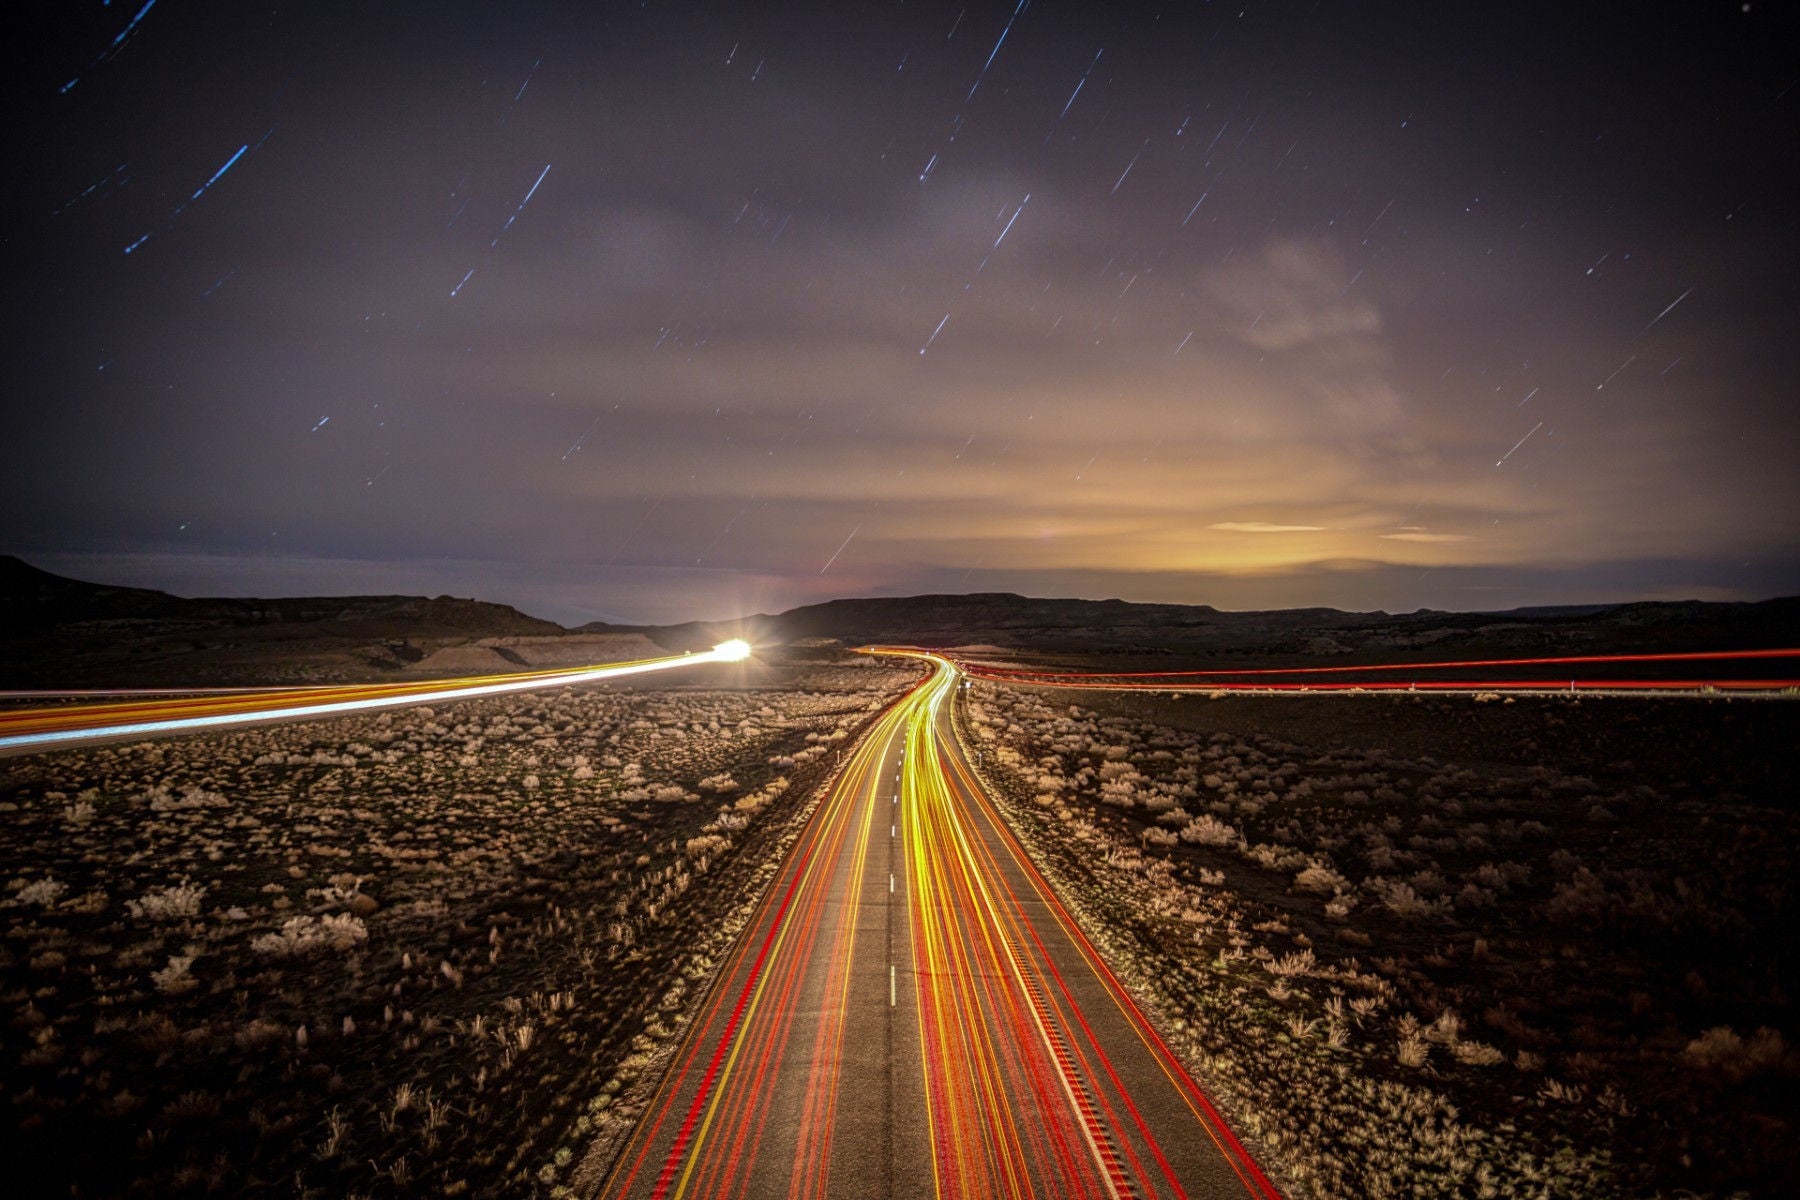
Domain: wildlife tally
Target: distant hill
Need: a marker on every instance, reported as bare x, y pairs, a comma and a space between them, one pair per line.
57, 632
1117, 627
36, 600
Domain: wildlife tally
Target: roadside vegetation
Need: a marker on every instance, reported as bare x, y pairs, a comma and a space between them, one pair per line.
426, 952
1412, 975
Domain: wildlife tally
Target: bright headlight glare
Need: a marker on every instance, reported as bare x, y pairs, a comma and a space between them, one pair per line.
736, 650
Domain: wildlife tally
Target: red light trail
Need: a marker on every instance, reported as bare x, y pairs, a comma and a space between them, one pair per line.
916, 1014
1412, 675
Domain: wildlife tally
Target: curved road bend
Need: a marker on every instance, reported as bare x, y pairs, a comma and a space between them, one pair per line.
912, 1013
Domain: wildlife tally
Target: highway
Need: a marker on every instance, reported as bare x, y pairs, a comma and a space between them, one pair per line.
1597, 674
912, 1013
30, 730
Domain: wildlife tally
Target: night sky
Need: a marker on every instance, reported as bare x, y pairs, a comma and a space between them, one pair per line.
656, 311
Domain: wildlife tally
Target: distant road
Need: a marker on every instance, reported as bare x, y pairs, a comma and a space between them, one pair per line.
912, 1013
29, 730
1602, 674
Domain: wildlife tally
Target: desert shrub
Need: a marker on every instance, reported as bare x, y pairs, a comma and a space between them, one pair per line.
1579, 900
1120, 793
1405, 903
1321, 880
1722, 1049
301, 936
174, 979
1477, 1054
167, 904
707, 845
163, 799
1208, 830
1297, 963
45, 891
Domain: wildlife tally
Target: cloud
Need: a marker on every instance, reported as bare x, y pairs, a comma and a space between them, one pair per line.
1263, 527
1419, 535
1293, 294
1297, 304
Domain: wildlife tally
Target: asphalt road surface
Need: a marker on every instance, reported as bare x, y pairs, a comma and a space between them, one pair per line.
912, 1013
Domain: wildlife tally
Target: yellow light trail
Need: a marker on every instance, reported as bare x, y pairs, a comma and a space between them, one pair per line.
1012, 1065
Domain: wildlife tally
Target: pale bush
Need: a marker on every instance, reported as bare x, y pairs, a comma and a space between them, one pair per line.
1447, 1028
708, 845
1159, 802
1208, 830
162, 799
1477, 1054
1408, 905
45, 891
1321, 879
174, 979
1300, 962
1119, 792
167, 904
302, 936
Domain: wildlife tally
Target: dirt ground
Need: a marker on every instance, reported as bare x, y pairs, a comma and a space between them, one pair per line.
1442, 945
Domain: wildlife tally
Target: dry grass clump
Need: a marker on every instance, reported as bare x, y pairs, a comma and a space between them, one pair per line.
1542, 970
401, 954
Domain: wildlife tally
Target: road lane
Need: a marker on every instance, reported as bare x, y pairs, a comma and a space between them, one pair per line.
785, 1082
912, 1013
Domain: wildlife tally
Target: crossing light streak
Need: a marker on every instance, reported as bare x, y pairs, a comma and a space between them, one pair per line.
30, 730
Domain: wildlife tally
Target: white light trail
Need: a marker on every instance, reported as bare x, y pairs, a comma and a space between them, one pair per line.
735, 650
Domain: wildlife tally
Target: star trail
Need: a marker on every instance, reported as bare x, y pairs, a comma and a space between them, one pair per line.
328, 299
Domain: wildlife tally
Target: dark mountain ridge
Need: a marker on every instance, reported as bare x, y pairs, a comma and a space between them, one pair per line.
1009, 622
34, 600
59, 632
